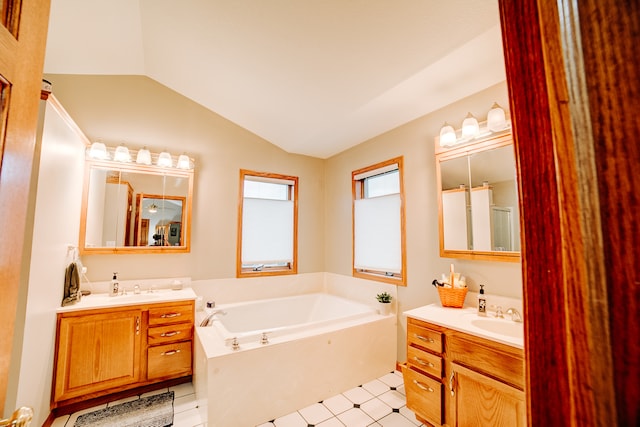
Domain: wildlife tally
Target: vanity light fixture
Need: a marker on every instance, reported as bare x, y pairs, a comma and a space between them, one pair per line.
122, 154
144, 156
470, 127
98, 151
165, 160
183, 162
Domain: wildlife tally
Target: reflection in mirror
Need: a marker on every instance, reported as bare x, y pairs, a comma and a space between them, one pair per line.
135, 209
478, 200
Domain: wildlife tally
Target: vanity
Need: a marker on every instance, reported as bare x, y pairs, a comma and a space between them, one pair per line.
106, 345
464, 370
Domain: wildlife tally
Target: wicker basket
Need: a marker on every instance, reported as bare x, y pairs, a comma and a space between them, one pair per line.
452, 297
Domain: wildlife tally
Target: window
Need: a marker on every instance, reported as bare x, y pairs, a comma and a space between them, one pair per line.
378, 223
267, 224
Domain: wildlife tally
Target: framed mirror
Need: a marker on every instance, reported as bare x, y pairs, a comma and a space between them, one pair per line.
133, 208
478, 200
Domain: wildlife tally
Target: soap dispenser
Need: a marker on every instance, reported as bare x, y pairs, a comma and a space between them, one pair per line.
114, 285
482, 302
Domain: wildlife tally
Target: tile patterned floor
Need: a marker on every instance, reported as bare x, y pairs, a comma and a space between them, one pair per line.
380, 402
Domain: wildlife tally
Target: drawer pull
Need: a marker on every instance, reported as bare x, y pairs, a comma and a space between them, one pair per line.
424, 362
170, 315
422, 386
170, 353
170, 334
427, 339
138, 325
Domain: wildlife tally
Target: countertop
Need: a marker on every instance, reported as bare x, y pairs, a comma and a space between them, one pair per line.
103, 300
466, 320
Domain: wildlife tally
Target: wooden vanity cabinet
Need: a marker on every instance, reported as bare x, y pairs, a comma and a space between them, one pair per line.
104, 351
478, 381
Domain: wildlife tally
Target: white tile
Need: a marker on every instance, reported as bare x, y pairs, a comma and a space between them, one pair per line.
408, 413
401, 390
269, 424
315, 413
392, 380
182, 389
184, 403
190, 418
292, 420
395, 420
376, 387
331, 422
376, 408
338, 404
394, 399
355, 418
358, 395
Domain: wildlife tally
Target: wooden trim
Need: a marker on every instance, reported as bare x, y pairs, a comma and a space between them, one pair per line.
293, 194
357, 190
577, 161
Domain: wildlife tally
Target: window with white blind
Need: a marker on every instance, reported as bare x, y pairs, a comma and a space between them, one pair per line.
267, 224
378, 223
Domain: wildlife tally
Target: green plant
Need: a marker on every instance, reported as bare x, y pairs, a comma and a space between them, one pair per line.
384, 297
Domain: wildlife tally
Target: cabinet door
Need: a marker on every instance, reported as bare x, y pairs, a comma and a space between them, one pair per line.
482, 401
97, 352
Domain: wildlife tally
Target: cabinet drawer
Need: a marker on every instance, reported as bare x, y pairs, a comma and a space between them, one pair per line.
424, 395
423, 337
425, 361
170, 360
171, 314
169, 333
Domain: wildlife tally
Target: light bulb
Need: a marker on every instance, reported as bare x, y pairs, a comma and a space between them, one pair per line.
183, 162
122, 154
143, 157
98, 151
447, 135
470, 127
165, 160
496, 120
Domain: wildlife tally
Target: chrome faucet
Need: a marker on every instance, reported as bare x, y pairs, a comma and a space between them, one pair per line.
207, 320
515, 315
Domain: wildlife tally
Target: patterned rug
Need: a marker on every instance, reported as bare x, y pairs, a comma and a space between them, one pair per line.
152, 411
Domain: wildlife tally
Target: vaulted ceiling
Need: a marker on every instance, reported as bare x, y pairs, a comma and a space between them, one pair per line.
313, 77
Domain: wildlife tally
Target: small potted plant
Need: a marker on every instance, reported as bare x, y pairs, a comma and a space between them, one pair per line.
384, 300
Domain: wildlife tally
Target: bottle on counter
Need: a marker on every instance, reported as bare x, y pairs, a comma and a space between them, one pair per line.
482, 302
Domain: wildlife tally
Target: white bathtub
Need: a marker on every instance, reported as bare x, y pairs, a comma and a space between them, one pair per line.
319, 345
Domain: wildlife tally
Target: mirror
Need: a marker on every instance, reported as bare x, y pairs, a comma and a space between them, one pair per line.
132, 208
478, 200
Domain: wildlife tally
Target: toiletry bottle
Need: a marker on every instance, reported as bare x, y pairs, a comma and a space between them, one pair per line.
114, 285
482, 302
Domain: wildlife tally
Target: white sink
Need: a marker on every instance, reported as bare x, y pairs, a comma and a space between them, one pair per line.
500, 326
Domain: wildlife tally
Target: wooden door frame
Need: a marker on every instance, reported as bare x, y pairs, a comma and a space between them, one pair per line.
21, 64
573, 85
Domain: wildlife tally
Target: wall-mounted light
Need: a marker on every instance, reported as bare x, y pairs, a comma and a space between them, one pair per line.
122, 154
144, 156
153, 208
164, 160
98, 151
472, 129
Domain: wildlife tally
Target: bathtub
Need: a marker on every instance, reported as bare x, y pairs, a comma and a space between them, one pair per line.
319, 345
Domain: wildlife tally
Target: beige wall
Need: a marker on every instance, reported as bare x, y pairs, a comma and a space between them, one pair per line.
414, 141
138, 111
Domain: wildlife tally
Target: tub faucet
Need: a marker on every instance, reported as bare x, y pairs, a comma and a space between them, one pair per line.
515, 315
207, 320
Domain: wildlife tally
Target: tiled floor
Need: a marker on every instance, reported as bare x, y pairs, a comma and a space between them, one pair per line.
380, 402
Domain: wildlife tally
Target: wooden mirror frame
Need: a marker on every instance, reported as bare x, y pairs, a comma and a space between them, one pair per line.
142, 169
492, 142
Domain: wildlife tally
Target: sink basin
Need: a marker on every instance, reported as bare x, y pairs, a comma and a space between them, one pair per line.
501, 327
